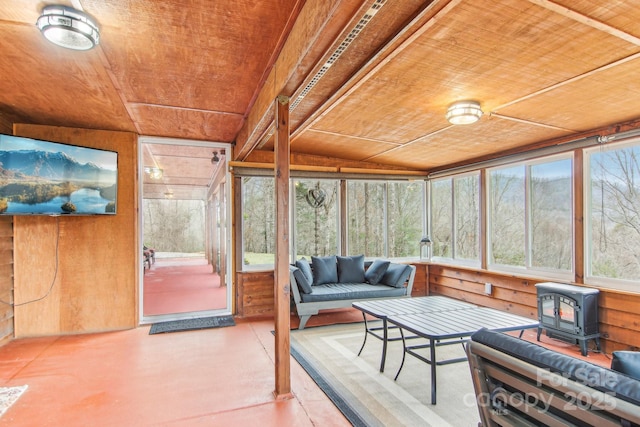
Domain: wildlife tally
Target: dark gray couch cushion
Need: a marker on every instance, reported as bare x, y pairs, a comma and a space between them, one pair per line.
351, 269
396, 275
376, 270
303, 284
325, 269
351, 291
305, 272
626, 362
586, 373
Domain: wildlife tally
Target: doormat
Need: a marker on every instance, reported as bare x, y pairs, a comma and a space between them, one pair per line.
9, 396
192, 324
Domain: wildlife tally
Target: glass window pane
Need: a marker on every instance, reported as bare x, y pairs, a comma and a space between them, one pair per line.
404, 213
365, 218
551, 215
467, 217
316, 218
258, 220
615, 213
507, 216
442, 217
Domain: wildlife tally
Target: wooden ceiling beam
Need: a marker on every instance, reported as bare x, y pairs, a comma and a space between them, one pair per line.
313, 20
583, 19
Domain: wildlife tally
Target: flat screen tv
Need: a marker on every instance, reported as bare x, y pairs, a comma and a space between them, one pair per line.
49, 178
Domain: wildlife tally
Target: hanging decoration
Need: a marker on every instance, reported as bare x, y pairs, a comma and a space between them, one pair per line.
316, 197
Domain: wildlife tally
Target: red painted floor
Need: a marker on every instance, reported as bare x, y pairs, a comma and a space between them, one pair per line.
182, 285
212, 377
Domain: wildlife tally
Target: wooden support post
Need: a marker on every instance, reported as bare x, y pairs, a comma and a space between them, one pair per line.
281, 273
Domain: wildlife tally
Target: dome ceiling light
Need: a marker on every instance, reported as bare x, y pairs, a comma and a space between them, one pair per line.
68, 27
464, 112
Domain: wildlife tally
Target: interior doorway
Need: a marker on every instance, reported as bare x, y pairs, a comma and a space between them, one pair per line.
184, 233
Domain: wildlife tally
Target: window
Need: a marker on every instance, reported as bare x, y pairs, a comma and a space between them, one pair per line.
316, 218
366, 218
531, 216
613, 214
405, 206
455, 217
385, 218
507, 216
258, 220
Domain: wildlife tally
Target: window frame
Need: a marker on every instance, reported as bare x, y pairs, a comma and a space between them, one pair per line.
342, 212
601, 281
528, 269
453, 259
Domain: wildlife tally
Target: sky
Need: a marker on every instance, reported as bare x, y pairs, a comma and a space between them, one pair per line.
105, 159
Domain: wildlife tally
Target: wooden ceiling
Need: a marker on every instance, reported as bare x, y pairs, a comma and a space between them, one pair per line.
368, 80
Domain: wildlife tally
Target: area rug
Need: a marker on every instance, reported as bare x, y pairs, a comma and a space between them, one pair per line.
191, 324
9, 396
368, 397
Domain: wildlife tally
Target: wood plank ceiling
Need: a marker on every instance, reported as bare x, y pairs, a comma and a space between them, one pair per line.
369, 80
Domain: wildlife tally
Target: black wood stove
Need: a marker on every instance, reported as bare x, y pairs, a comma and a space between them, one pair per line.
569, 313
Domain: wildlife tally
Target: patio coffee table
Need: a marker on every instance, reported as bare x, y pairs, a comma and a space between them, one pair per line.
381, 309
452, 327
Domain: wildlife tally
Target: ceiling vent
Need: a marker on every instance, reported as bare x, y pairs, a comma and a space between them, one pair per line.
368, 16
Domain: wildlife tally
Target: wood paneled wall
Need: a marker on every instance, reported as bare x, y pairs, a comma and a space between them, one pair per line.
255, 295
6, 279
619, 322
79, 274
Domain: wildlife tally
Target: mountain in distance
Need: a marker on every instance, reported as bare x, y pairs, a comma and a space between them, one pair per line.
52, 166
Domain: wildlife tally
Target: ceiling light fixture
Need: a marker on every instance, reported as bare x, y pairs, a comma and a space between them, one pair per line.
68, 27
464, 112
154, 173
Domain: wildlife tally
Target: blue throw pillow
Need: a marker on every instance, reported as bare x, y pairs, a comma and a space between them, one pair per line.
303, 284
376, 270
351, 269
626, 362
325, 270
396, 275
305, 268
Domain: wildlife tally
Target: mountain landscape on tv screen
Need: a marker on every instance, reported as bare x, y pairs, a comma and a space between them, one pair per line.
33, 181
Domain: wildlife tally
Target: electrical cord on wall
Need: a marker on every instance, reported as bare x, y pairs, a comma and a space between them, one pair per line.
55, 275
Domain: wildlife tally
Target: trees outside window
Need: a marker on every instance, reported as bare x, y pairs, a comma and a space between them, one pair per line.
442, 217
530, 216
506, 216
551, 215
455, 217
258, 220
405, 208
316, 218
172, 225
366, 218
384, 218
613, 213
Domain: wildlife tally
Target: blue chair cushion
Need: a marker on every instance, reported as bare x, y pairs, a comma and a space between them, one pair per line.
351, 291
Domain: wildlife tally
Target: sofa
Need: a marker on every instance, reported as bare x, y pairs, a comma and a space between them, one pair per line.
517, 382
334, 281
